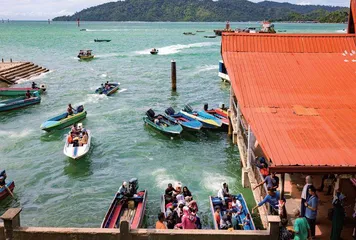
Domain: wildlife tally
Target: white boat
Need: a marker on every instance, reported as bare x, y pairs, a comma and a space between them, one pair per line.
77, 152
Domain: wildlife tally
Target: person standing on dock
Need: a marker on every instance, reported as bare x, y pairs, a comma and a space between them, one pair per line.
272, 181
311, 210
301, 227
305, 194
272, 198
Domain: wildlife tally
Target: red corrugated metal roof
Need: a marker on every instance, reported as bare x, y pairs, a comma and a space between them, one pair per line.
310, 83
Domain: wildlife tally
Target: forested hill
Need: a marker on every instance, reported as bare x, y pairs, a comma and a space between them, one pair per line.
199, 10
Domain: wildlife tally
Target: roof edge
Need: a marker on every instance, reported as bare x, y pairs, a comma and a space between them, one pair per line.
314, 169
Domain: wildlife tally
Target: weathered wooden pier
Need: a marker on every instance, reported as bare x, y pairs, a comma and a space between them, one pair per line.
11, 72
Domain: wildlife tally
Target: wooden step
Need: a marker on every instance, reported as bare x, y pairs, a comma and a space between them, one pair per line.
11, 69
19, 71
33, 73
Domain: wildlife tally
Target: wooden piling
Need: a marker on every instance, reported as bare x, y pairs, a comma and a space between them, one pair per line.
78, 22
174, 75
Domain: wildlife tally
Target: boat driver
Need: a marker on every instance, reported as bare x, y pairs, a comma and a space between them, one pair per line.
123, 189
70, 109
34, 85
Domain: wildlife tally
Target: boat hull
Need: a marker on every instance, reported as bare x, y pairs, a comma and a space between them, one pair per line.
18, 91
166, 126
86, 57
77, 152
62, 121
187, 123
17, 103
215, 201
220, 114
208, 121
4, 193
118, 208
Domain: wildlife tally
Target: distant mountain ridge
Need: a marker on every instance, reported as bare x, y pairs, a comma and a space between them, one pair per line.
203, 11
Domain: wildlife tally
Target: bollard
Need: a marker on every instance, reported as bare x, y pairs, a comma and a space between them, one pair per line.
174, 75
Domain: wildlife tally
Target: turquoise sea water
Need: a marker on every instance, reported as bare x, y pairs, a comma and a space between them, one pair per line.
56, 191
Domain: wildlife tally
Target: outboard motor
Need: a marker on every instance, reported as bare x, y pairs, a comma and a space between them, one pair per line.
43, 87
133, 186
150, 114
169, 111
188, 108
206, 106
80, 108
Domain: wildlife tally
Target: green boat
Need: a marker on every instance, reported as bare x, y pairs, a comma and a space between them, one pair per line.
63, 120
162, 123
20, 91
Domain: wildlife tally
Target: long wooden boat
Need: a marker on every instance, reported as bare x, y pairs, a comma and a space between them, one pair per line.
220, 113
79, 151
102, 40
4, 193
215, 201
63, 120
119, 211
113, 88
20, 102
20, 91
208, 120
186, 122
162, 123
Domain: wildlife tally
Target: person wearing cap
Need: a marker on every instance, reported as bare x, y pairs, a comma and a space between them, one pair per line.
272, 181
123, 189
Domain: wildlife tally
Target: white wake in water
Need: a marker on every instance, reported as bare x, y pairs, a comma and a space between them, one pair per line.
122, 90
213, 181
207, 68
34, 78
13, 134
93, 98
178, 48
103, 30
162, 178
341, 31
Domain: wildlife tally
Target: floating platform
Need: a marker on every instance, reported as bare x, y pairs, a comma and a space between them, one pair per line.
11, 72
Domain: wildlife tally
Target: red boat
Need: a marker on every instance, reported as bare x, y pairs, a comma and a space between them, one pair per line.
4, 193
130, 209
220, 113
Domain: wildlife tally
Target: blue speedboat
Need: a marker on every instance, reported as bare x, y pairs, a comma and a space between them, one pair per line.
208, 120
187, 122
20, 102
240, 216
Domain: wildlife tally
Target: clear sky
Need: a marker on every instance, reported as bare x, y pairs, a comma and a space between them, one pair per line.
48, 9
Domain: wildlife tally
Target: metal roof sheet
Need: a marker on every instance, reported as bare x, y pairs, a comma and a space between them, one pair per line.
310, 81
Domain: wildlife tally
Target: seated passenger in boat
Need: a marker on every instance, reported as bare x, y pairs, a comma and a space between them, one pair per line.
226, 221
107, 86
74, 129
179, 211
217, 216
84, 139
186, 192
172, 216
168, 196
178, 187
28, 94
188, 220
236, 206
76, 142
193, 206
70, 138
223, 192
246, 220
3, 178
123, 189
70, 109
160, 223
34, 85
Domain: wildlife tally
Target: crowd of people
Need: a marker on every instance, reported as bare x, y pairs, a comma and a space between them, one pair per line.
305, 216
180, 209
78, 136
104, 87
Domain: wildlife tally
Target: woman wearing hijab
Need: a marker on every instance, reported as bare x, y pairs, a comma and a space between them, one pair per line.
338, 216
188, 220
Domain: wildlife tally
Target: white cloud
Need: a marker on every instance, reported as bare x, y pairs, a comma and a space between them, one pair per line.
44, 9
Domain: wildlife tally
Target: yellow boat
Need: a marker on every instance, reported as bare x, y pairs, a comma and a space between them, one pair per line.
85, 55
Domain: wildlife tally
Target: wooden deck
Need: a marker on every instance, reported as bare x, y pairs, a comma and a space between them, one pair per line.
11, 72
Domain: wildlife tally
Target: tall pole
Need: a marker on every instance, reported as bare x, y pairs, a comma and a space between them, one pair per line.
78, 22
174, 75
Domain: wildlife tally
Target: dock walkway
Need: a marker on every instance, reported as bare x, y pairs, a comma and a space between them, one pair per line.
10, 72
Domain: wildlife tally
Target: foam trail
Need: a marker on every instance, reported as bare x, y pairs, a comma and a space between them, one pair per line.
93, 98
122, 90
213, 181
162, 178
207, 68
13, 134
103, 30
177, 48
34, 78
